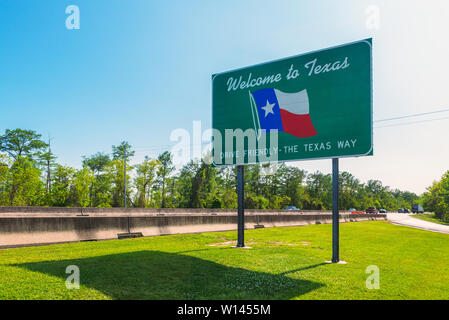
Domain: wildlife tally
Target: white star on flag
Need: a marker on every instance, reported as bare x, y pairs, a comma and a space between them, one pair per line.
268, 108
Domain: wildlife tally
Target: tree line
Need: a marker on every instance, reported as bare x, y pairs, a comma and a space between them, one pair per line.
31, 176
436, 198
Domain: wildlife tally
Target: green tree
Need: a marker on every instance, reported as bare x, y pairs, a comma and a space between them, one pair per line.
61, 186
349, 188
319, 188
165, 169
204, 187
115, 175
47, 160
5, 162
184, 184
18, 184
81, 184
271, 181
256, 202
144, 181
25, 186
436, 198
253, 180
291, 185
100, 187
22, 143
122, 151
96, 162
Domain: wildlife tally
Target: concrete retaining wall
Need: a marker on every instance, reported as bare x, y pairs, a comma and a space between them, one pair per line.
35, 225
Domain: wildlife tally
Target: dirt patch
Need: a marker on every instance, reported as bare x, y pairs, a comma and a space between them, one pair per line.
276, 243
280, 243
222, 244
230, 243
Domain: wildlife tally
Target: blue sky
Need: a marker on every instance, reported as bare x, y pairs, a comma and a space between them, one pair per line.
137, 70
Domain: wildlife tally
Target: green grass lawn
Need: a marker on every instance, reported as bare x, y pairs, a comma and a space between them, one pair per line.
430, 217
283, 263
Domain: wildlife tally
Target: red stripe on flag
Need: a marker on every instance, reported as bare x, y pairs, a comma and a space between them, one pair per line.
298, 125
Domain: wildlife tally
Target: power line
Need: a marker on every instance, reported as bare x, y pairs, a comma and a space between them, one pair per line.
412, 115
413, 122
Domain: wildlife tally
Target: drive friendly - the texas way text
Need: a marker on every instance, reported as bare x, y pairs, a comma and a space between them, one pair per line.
307, 147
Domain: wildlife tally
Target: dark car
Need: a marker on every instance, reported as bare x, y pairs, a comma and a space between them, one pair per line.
382, 211
371, 210
406, 211
400, 210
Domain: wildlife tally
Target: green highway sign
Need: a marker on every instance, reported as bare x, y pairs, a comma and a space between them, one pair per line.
310, 106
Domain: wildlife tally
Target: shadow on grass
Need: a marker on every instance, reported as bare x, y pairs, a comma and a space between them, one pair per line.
162, 275
303, 268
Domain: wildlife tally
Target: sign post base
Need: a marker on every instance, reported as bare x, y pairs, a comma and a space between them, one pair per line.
339, 262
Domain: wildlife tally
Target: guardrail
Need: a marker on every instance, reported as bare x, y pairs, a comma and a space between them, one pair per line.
38, 225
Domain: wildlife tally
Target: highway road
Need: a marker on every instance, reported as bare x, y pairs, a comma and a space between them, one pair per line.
404, 219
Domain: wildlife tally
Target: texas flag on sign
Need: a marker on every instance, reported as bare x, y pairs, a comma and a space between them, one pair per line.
288, 112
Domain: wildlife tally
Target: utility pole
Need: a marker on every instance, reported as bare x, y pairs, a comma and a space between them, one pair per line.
48, 166
125, 176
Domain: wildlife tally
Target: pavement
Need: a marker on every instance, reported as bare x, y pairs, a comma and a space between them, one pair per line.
405, 219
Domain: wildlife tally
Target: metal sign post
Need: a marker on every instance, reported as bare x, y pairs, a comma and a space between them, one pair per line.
335, 213
240, 204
